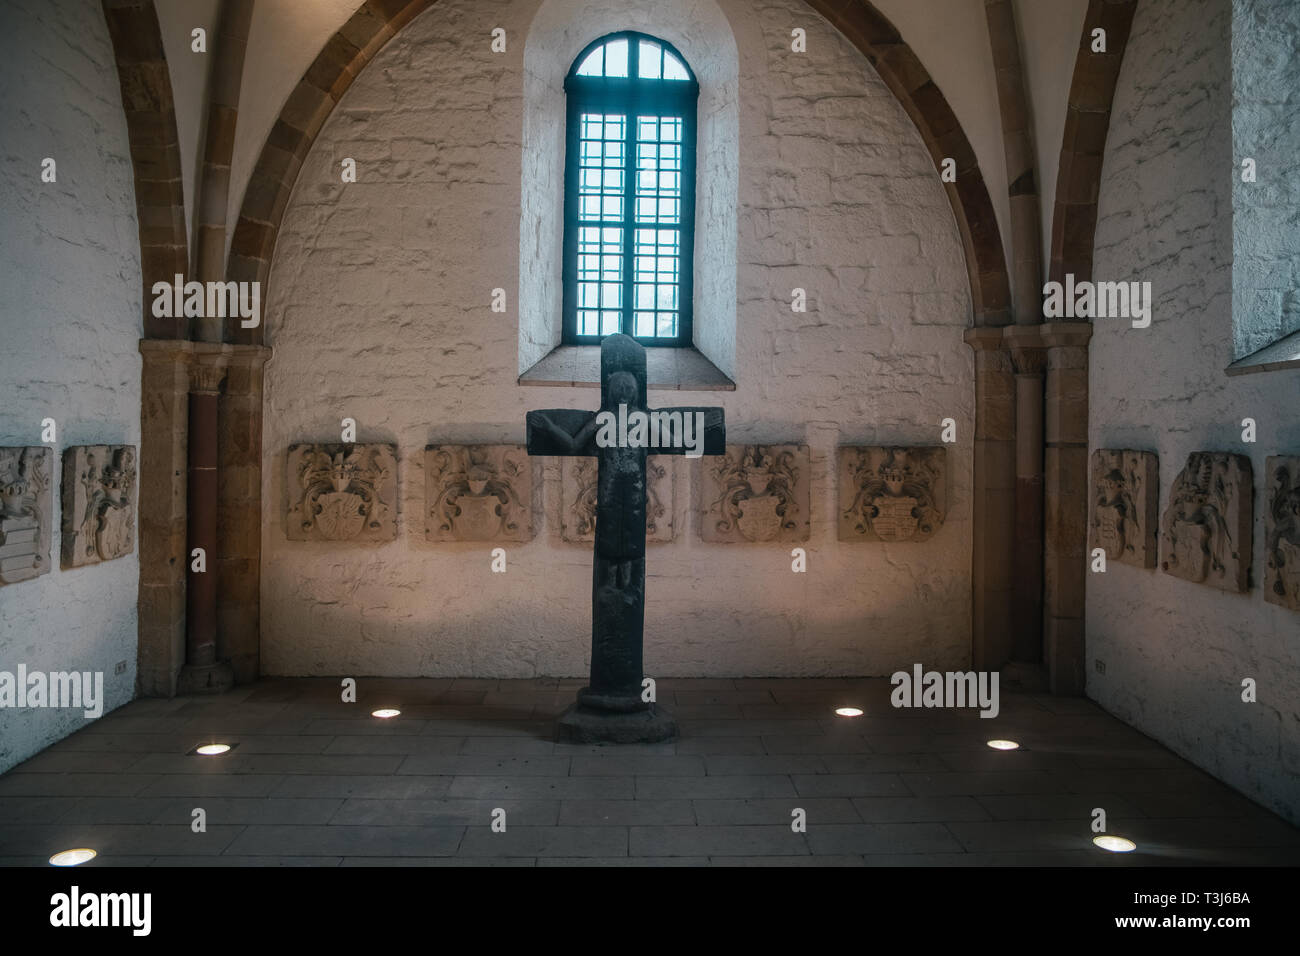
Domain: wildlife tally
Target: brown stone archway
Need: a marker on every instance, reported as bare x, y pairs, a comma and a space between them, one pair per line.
1065, 435
155, 151
1083, 146
164, 387
358, 41
377, 21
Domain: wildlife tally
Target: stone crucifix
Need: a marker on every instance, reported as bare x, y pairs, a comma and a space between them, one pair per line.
620, 435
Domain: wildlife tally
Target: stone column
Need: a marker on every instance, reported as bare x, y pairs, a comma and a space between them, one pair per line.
994, 499
163, 450
202, 673
1065, 503
239, 510
1030, 364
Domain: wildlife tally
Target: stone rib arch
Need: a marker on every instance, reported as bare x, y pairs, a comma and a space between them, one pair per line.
377, 21
155, 152
1083, 144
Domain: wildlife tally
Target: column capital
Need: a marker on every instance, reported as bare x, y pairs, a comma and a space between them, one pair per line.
247, 356
1029, 361
1066, 334
207, 371
984, 338
166, 351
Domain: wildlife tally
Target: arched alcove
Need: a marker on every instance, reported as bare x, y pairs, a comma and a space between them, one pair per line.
558, 33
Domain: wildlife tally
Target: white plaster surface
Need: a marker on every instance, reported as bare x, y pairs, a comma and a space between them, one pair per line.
1176, 652
378, 310
951, 39
69, 332
284, 37
949, 36
1266, 212
559, 32
190, 73
1049, 44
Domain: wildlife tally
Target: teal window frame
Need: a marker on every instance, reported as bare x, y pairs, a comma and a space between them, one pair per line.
640, 102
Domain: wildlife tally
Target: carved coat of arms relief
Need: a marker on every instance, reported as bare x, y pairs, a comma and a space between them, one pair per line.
756, 493
891, 493
341, 492
478, 493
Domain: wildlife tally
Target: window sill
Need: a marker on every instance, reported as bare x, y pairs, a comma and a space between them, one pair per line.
680, 369
1284, 353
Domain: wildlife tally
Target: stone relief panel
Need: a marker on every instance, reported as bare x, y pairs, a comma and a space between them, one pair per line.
98, 504
755, 493
1205, 534
1282, 531
341, 492
478, 493
891, 493
578, 499
1125, 498
26, 512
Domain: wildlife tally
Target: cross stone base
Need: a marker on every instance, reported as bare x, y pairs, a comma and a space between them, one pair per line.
586, 725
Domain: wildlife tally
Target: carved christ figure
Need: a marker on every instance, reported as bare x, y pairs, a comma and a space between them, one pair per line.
613, 698
620, 495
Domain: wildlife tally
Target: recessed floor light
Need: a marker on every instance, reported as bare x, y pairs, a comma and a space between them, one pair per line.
212, 750
848, 711
72, 857
1004, 745
385, 713
1114, 844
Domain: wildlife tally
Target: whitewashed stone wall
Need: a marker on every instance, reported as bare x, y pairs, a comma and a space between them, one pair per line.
69, 267
1266, 212
1175, 653
378, 309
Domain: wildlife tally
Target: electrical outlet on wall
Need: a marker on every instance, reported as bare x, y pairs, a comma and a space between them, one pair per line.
120, 668
1100, 665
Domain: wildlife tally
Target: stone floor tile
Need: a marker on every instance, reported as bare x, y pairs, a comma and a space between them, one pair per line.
407, 787
626, 813
776, 840
560, 841
275, 811
640, 765
486, 765
850, 785
542, 788
942, 784
712, 788
883, 763
116, 839
15, 810
344, 841
628, 861
773, 812
729, 765
865, 838
1057, 806
403, 744
720, 745
443, 812
918, 809
75, 784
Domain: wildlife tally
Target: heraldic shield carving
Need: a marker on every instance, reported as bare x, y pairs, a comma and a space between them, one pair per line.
891, 493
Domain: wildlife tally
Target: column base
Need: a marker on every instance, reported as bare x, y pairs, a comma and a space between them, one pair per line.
209, 679
586, 725
1026, 676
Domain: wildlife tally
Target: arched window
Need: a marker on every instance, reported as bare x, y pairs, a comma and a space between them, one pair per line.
629, 192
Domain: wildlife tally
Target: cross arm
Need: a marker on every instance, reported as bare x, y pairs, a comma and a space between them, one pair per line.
715, 429
567, 432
